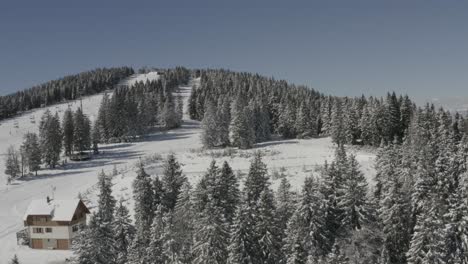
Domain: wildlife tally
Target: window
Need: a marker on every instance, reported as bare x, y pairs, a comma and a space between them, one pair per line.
38, 230
75, 228
48, 230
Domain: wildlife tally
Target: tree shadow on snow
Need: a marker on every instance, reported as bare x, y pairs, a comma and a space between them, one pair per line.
275, 143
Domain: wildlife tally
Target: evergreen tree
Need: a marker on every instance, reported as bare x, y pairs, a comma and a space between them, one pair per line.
95, 137
337, 129
106, 202
223, 119
210, 129
95, 243
123, 231
285, 204
103, 122
32, 151
211, 237
172, 180
184, 216
229, 194
144, 208
428, 238
155, 250
12, 163
267, 229
242, 247
68, 131
241, 127
356, 210
81, 132
286, 121
256, 181
50, 137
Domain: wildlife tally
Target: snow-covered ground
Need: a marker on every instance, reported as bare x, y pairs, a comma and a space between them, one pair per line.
151, 76
299, 157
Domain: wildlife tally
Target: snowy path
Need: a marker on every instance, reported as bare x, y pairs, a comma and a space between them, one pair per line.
299, 157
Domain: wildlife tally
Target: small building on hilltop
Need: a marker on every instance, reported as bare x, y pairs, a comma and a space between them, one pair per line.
52, 224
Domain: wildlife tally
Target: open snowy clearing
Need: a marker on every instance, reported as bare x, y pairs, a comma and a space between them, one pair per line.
300, 158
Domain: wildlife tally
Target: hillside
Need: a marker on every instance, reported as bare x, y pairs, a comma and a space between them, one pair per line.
299, 156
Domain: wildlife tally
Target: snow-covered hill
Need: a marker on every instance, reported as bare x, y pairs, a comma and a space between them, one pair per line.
298, 157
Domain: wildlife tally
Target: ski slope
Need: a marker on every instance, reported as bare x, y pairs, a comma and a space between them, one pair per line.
150, 76
300, 158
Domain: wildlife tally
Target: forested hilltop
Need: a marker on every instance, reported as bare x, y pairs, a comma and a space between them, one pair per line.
252, 108
67, 88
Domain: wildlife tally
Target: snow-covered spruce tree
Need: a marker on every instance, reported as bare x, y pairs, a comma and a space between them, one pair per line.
307, 233
144, 208
12, 163
241, 127
170, 252
168, 117
95, 243
209, 136
286, 121
133, 124
154, 252
427, 243
102, 120
337, 128
123, 231
394, 204
207, 187
106, 201
223, 119
294, 246
325, 114
68, 130
261, 120
172, 180
351, 121
179, 109
50, 138
243, 248
257, 180
228, 190
306, 124
268, 230
158, 193
211, 236
184, 216
355, 208
95, 137
32, 152
81, 131
285, 204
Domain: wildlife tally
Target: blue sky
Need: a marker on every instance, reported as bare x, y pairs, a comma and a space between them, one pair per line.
337, 47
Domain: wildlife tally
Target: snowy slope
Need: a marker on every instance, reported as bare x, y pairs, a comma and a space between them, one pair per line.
299, 157
150, 76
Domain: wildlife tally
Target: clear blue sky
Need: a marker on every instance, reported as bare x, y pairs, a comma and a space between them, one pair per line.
336, 47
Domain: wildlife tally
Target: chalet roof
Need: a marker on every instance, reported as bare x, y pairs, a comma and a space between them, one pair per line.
59, 210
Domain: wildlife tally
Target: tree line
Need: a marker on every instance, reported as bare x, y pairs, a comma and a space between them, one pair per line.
67, 88
332, 220
241, 109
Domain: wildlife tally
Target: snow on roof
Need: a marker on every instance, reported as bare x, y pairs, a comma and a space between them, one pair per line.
60, 210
